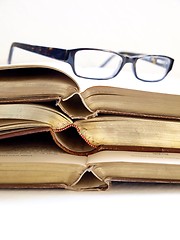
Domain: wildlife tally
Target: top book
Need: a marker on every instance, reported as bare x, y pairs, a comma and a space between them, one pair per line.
45, 83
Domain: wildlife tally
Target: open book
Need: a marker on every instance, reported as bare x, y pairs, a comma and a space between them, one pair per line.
36, 162
37, 102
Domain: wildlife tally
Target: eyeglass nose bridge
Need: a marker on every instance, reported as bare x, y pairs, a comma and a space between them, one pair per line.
131, 61
128, 59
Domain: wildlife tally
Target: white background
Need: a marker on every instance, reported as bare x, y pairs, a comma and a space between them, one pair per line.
127, 211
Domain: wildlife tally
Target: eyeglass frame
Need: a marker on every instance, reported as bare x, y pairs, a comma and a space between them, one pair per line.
68, 56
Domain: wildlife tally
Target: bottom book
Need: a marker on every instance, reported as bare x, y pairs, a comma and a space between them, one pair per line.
34, 161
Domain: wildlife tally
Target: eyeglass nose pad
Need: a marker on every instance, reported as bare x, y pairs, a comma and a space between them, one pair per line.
133, 67
128, 68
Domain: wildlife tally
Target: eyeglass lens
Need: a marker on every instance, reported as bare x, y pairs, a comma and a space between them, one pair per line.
152, 68
94, 64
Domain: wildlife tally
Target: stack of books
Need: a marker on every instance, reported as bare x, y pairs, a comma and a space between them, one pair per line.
52, 135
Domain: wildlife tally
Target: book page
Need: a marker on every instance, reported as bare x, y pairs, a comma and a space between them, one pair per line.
13, 124
35, 159
121, 131
136, 166
35, 112
101, 98
130, 156
34, 81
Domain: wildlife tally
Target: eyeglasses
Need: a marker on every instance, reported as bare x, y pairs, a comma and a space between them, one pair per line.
103, 64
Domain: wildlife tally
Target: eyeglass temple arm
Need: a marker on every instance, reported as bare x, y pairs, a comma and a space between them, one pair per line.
56, 53
130, 54
148, 59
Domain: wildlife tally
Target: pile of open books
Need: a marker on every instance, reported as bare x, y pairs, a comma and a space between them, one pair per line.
54, 136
